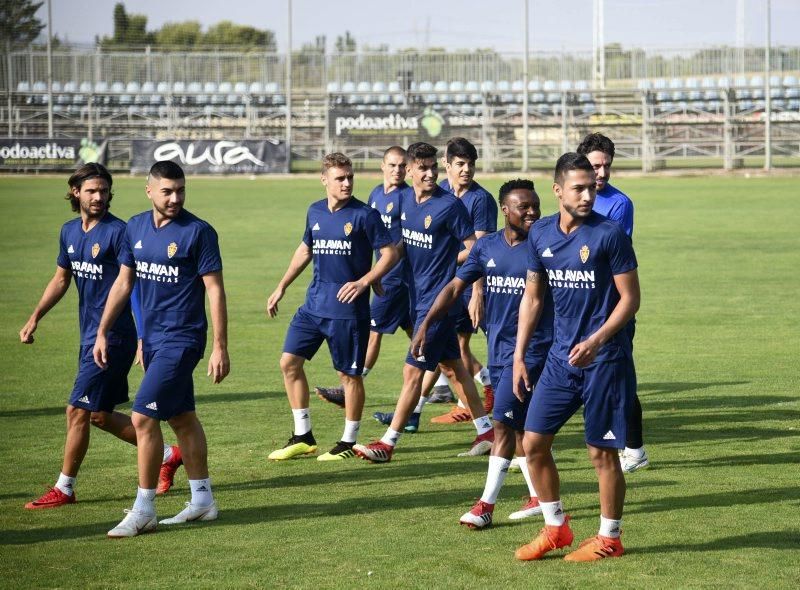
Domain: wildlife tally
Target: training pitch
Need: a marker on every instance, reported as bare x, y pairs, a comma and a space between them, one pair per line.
716, 354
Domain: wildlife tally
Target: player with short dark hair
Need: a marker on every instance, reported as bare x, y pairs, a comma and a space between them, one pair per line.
340, 236
501, 260
434, 224
89, 250
588, 264
173, 258
461, 158
614, 204
390, 310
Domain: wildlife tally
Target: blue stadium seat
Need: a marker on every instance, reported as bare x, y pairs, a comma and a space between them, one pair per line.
23, 86
518, 88
179, 87
676, 85
162, 87
209, 87
792, 89
473, 90
757, 88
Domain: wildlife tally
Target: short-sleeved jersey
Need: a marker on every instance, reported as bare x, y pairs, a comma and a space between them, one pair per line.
505, 267
341, 246
580, 270
94, 257
433, 232
388, 205
170, 262
614, 204
480, 204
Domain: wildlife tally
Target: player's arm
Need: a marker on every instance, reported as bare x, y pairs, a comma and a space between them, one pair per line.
469, 242
444, 301
475, 305
627, 284
298, 263
349, 292
53, 293
530, 308
117, 297
219, 364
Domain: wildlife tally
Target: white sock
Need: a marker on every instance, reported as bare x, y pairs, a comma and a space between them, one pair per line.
523, 467
351, 428
365, 372
634, 453
391, 437
495, 476
144, 501
302, 421
482, 377
442, 381
65, 483
167, 453
610, 527
420, 404
482, 425
553, 513
201, 492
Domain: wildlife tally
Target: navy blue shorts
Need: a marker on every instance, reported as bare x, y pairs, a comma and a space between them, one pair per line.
99, 390
390, 311
463, 321
441, 344
347, 340
604, 389
167, 389
507, 408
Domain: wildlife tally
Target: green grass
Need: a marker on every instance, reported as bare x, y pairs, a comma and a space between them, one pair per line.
716, 350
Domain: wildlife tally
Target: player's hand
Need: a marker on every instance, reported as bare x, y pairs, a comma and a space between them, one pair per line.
583, 353
219, 365
520, 380
26, 334
377, 288
100, 352
272, 302
475, 309
350, 291
139, 360
417, 346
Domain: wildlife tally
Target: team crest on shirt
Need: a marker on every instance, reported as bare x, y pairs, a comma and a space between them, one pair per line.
95, 250
584, 253
172, 249
389, 207
348, 227
427, 221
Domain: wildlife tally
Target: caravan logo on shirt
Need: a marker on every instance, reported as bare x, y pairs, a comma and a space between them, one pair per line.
153, 271
87, 270
505, 285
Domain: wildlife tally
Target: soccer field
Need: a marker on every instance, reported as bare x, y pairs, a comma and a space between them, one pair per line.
716, 347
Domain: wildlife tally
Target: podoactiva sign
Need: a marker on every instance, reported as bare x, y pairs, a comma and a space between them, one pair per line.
387, 125
49, 153
212, 157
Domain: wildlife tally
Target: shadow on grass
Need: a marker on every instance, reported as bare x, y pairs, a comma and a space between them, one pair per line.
755, 540
719, 500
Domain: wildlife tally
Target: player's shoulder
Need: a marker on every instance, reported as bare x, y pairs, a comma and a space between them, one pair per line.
113, 221
616, 194
71, 224
543, 225
490, 239
604, 226
140, 218
481, 192
189, 219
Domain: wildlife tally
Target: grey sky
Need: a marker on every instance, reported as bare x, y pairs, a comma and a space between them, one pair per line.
464, 24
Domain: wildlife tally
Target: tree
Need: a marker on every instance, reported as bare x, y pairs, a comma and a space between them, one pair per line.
129, 29
346, 44
228, 33
185, 34
19, 23
120, 23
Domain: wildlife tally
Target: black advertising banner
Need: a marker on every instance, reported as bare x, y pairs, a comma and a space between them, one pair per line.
422, 123
49, 153
208, 156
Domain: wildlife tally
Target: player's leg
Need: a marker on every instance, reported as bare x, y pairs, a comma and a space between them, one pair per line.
609, 388
381, 451
115, 423
557, 398
634, 456
303, 339
457, 413
467, 392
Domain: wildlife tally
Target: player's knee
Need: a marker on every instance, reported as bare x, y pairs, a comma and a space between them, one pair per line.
291, 365
76, 417
504, 439
536, 447
142, 423
604, 459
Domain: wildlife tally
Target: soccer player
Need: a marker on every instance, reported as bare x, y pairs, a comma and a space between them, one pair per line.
589, 265
614, 204
89, 248
390, 310
434, 224
460, 160
501, 259
173, 258
340, 236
